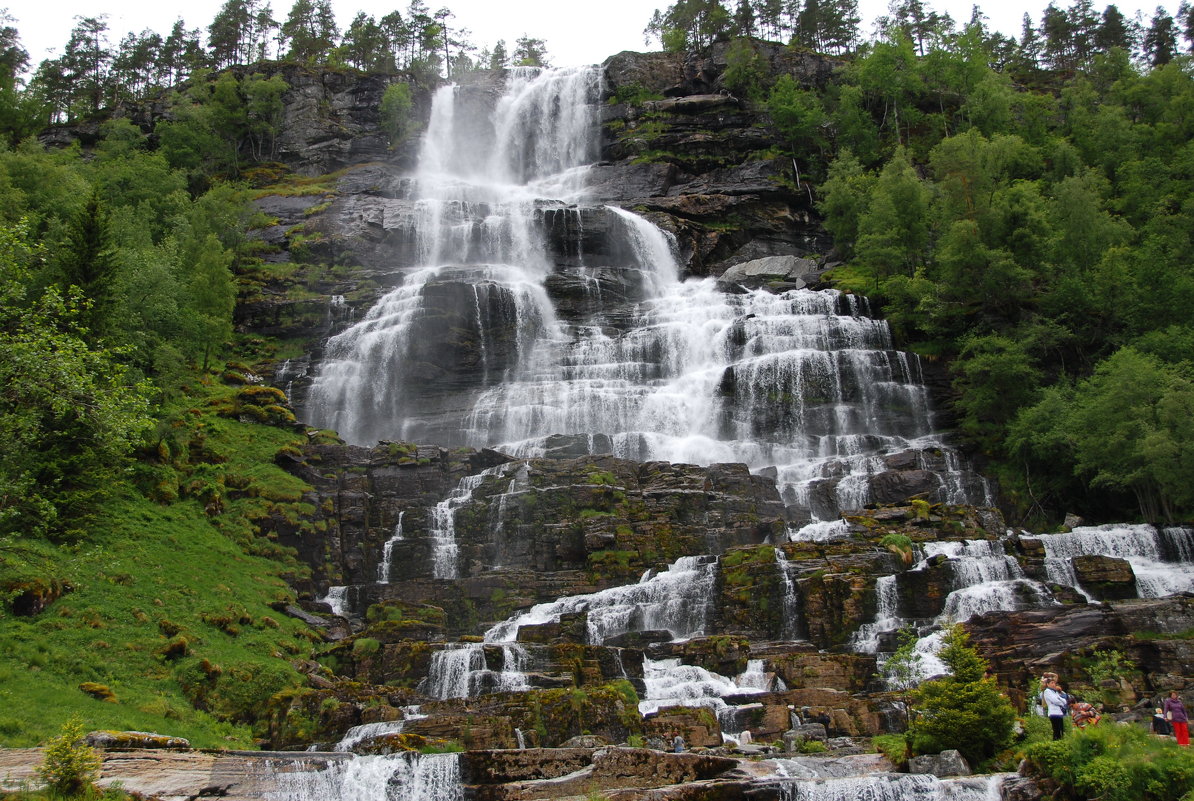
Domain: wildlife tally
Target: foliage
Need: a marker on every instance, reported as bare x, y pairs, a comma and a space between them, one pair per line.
69, 764
963, 710
396, 105
1108, 664
798, 117
900, 545
1117, 763
68, 415
892, 746
746, 69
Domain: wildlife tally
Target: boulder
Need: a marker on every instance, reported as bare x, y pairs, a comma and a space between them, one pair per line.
805, 731
1020, 788
697, 725
947, 763
760, 272
1107, 578
585, 741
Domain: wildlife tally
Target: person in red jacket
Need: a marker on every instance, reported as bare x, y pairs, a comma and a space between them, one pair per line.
1175, 713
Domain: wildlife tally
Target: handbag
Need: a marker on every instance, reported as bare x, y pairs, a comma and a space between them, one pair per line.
1168, 715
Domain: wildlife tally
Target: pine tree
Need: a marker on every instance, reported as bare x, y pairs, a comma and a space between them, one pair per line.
88, 262
1160, 40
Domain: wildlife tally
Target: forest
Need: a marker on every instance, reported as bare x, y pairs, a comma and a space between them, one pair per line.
1020, 208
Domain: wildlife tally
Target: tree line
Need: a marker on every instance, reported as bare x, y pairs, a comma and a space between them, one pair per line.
93, 73
1063, 39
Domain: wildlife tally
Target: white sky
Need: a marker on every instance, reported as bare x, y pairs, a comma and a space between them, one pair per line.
576, 31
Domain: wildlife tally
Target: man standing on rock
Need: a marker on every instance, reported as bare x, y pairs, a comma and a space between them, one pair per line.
1055, 703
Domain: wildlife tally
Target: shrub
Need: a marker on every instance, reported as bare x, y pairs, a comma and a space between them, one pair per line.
1114, 763
892, 746
963, 710
70, 765
365, 646
900, 545
811, 747
396, 106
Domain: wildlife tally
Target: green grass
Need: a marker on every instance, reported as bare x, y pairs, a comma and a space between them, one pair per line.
149, 573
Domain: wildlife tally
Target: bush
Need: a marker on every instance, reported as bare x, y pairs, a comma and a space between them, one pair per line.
1114, 763
964, 710
396, 106
811, 747
892, 746
70, 764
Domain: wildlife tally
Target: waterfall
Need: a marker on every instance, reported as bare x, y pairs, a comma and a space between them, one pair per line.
669, 683
866, 639
366, 731
407, 776
442, 523
675, 600
791, 629
459, 670
820, 531
469, 348
894, 787
1163, 561
337, 599
383, 567
755, 678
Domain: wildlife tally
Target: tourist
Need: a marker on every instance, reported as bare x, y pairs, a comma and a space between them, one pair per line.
1041, 708
1055, 705
1175, 713
1160, 725
678, 743
1084, 714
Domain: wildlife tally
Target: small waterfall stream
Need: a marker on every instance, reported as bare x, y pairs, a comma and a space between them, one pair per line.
405, 776
383, 567
894, 787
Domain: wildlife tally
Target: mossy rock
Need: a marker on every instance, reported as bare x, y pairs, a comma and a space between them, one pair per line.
100, 692
130, 740
26, 597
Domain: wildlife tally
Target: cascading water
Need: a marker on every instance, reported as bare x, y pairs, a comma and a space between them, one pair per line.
459, 671
1163, 560
337, 599
408, 776
383, 567
676, 600
983, 578
986, 579
660, 369
442, 531
894, 787
791, 629
866, 639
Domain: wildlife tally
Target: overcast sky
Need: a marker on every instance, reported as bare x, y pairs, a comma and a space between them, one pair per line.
576, 32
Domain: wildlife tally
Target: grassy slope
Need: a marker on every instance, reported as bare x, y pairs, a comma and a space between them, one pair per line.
148, 562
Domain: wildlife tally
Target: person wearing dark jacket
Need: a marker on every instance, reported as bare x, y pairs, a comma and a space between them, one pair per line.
1175, 713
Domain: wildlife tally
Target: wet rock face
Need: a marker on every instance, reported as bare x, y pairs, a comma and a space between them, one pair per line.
1105, 577
566, 526
1150, 632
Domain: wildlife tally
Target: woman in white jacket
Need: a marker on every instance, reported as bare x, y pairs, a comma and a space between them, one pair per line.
1055, 701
